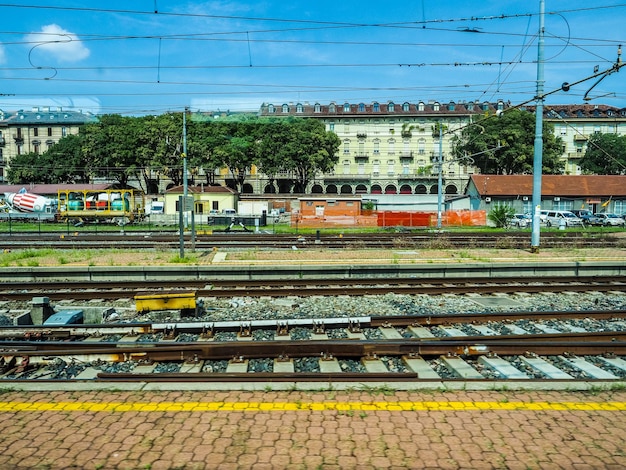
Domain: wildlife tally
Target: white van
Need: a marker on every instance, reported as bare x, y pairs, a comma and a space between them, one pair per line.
558, 218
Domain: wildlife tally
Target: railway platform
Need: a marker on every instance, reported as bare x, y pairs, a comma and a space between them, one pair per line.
326, 429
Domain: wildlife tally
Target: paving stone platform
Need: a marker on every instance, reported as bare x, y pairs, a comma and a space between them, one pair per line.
366, 429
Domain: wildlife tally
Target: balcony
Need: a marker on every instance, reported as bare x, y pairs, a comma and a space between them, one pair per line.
575, 155
580, 138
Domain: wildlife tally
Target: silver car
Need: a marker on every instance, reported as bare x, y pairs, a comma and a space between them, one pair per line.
611, 219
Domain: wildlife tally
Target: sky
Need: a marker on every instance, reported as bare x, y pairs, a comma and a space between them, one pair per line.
154, 56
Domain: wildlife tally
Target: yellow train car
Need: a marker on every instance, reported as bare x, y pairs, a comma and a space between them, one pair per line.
114, 205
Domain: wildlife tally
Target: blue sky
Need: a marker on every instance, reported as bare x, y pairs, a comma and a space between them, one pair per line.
153, 56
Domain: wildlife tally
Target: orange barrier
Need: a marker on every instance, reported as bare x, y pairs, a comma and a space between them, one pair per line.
453, 218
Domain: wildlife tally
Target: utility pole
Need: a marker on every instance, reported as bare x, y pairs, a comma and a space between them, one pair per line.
538, 149
182, 201
440, 178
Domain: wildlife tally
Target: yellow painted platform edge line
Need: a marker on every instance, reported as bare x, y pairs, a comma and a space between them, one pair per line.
15, 406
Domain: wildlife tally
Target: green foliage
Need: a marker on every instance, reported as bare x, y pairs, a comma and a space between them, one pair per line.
501, 215
123, 147
605, 155
505, 145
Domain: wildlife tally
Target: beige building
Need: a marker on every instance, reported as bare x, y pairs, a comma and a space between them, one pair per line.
205, 199
36, 131
393, 148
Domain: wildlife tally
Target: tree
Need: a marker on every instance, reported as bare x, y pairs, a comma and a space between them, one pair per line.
504, 145
605, 155
113, 146
310, 149
64, 162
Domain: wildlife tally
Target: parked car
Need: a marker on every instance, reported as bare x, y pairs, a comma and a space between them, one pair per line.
613, 220
566, 218
521, 220
588, 217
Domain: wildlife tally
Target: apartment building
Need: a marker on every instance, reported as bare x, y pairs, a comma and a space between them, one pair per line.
36, 131
394, 148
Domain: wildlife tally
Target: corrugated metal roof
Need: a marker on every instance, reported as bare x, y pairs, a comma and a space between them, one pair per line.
551, 185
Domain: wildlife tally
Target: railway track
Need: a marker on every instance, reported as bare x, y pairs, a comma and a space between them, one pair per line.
523, 348
260, 240
58, 290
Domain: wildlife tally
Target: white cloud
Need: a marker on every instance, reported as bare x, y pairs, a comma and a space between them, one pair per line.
63, 45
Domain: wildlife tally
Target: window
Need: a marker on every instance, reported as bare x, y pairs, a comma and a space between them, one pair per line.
299, 108
376, 107
346, 167
390, 167
391, 107
391, 143
49, 131
332, 108
405, 107
436, 107
285, 108
346, 107
376, 146
64, 131
420, 106
361, 107
405, 168
421, 146
36, 132
317, 108
470, 106
346, 147
361, 168
451, 106
376, 167
271, 109
331, 126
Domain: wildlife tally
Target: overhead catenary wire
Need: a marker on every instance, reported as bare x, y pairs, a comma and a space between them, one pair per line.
307, 25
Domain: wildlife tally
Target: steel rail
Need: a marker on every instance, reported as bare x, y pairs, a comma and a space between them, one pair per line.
450, 288
38, 333
554, 344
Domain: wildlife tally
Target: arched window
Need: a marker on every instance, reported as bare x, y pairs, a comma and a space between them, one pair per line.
285, 108
346, 107
376, 107
405, 107
391, 107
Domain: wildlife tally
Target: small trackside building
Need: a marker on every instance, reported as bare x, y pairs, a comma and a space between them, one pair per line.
597, 193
